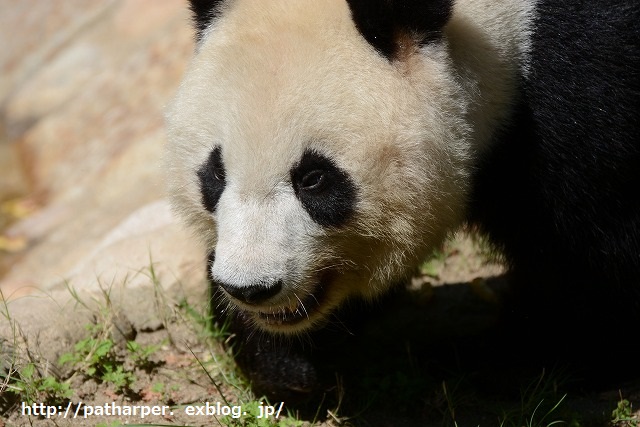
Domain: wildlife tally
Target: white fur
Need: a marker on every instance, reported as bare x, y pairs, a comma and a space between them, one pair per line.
272, 79
489, 43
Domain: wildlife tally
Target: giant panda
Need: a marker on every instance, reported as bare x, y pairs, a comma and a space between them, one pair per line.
322, 149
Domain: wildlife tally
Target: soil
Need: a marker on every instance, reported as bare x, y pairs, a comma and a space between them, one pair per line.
389, 377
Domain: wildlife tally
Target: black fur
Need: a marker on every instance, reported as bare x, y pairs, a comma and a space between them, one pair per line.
275, 371
204, 11
327, 193
212, 179
383, 22
560, 192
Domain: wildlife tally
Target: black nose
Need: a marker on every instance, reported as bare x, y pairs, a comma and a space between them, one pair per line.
253, 294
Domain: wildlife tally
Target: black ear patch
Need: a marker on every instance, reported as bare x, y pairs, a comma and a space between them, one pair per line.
212, 180
384, 23
327, 192
204, 11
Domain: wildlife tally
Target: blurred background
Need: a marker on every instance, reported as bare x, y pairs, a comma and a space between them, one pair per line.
83, 86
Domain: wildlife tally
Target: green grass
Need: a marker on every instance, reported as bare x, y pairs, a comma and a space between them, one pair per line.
385, 385
622, 415
220, 369
22, 377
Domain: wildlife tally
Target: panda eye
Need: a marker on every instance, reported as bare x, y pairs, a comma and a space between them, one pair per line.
325, 191
218, 172
216, 166
212, 177
313, 181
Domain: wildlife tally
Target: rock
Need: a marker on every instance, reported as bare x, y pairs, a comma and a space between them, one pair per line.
84, 87
42, 327
83, 118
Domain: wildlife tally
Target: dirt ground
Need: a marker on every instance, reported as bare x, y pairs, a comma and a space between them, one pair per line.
180, 372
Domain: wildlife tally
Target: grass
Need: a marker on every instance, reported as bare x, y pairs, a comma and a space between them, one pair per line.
539, 403
99, 356
220, 369
103, 358
452, 402
391, 385
22, 376
434, 264
622, 415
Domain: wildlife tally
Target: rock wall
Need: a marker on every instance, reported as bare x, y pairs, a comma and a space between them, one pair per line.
83, 87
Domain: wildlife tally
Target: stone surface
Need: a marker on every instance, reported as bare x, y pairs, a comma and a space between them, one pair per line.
82, 198
83, 89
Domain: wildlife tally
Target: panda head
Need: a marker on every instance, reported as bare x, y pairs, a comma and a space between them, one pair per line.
317, 148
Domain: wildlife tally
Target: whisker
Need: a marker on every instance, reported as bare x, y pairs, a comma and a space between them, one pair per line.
301, 306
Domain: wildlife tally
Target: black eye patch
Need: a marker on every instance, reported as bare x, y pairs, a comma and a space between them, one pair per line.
326, 192
212, 179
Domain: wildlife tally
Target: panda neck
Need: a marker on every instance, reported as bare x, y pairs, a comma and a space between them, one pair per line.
489, 42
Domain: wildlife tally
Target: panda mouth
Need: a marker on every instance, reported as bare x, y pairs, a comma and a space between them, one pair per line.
300, 309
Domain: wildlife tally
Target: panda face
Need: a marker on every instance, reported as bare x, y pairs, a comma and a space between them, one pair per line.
315, 165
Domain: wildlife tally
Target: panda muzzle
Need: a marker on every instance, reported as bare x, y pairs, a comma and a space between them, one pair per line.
259, 300
254, 294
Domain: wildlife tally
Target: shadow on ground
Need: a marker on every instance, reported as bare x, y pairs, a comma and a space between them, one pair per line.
449, 355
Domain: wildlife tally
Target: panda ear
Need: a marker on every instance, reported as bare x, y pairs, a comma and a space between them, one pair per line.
386, 24
204, 11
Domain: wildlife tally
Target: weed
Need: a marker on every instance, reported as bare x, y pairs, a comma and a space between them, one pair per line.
253, 416
450, 404
141, 355
160, 299
97, 356
22, 377
206, 327
532, 421
111, 424
28, 385
535, 410
433, 265
623, 415
229, 378
158, 388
